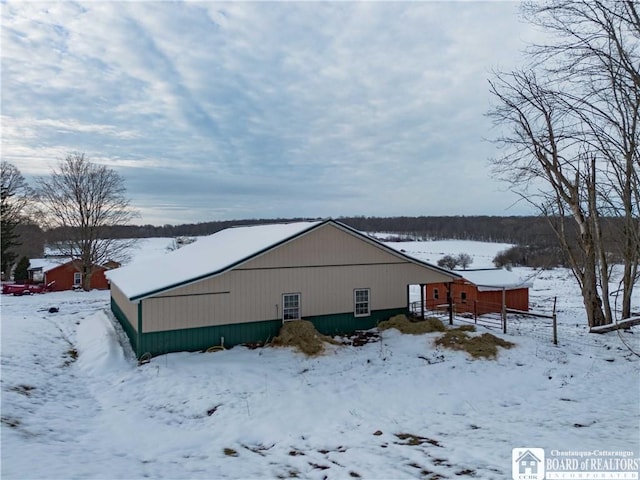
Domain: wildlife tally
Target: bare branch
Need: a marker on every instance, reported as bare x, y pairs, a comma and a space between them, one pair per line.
573, 122
85, 200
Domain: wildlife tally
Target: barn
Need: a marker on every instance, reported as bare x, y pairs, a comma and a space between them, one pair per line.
481, 291
240, 284
63, 274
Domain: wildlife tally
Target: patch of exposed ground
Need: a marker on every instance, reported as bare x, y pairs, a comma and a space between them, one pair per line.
361, 337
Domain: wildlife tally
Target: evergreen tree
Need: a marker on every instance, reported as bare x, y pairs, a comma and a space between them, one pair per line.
14, 197
21, 273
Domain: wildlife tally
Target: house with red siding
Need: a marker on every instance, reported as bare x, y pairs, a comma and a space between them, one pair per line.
63, 274
480, 291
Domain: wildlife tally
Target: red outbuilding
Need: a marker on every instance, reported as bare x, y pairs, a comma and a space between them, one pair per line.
480, 292
64, 274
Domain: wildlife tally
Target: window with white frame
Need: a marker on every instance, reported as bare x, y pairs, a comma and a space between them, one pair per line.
77, 278
362, 299
291, 306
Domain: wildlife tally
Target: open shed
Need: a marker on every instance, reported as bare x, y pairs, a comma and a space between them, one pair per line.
240, 284
481, 291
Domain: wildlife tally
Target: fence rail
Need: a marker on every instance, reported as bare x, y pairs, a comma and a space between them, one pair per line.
497, 315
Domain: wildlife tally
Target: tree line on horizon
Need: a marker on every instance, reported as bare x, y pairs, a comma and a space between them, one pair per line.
534, 241
508, 229
482, 228
25, 233
533, 238
525, 230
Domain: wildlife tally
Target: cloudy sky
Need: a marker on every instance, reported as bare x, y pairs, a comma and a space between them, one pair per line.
237, 110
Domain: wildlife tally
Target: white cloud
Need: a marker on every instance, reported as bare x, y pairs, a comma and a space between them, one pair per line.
332, 108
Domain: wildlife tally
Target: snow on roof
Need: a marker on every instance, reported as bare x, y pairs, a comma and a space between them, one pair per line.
207, 256
495, 279
47, 264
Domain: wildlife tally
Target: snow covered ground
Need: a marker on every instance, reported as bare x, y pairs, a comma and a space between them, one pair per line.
76, 405
483, 253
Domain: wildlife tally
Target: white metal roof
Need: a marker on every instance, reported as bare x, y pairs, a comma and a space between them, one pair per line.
495, 279
207, 256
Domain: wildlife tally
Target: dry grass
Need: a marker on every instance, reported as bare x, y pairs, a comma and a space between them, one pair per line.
402, 323
481, 346
412, 439
230, 452
302, 335
466, 328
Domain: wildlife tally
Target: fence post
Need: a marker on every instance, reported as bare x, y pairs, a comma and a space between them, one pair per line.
504, 310
475, 312
450, 301
555, 322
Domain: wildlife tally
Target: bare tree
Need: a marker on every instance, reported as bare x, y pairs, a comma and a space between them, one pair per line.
542, 152
464, 260
598, 58
15, 196
85, 200
573, 123
448, 261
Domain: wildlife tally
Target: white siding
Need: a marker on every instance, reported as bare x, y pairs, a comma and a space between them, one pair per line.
130, 309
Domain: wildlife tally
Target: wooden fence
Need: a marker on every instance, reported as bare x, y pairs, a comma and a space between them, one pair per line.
448, 311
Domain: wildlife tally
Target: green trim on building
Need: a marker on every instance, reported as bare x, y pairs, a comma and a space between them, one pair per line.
126, 325
201, 338
139, 351
343, 323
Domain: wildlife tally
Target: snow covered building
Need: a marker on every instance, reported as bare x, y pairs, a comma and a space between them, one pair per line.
240, 284
63, 274
480, 292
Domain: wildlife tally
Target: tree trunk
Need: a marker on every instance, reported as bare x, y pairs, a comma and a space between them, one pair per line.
87, 272
630, 274
593, 302
590, 295
599, 246
587, 268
